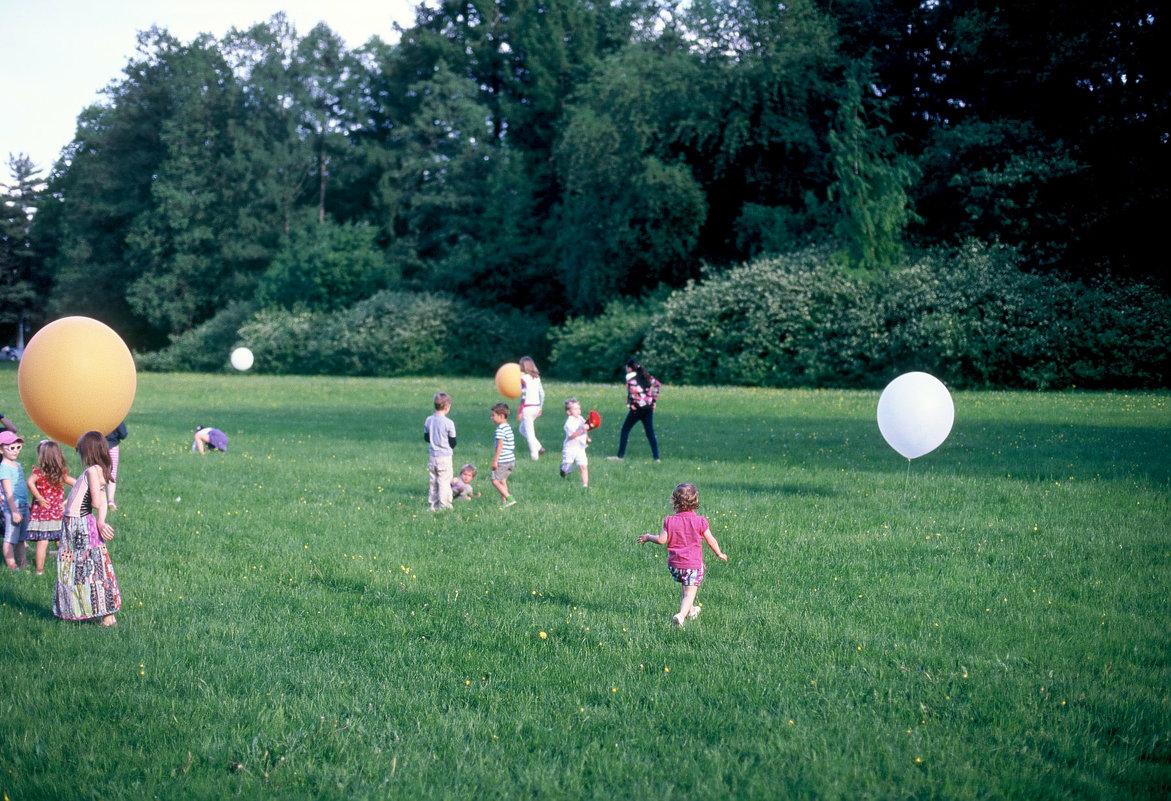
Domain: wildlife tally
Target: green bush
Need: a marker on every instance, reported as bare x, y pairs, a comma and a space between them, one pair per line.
205, 348
778, 321
594, 349
325, 266
1123, 339
391, 334
972, 317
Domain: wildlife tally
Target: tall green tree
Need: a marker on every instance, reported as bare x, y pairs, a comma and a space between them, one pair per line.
1041, 125
98, 189
181, 243
773, 81
23, 294
272, 154
631, 209
325, 266
872, 179
436, 186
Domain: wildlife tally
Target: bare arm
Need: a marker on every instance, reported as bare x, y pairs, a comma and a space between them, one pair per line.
97, 497
710, 539
496, 455
32, 490
10, 500
660, 538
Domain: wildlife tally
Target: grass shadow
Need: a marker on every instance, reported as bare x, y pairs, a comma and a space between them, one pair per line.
23, 605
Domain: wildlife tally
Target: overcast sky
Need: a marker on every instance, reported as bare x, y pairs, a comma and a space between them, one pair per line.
58, 54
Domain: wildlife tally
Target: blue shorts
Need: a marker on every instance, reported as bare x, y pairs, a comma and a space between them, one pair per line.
687, 576
15, 532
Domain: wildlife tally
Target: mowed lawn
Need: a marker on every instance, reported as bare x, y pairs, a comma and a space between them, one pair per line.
992, 622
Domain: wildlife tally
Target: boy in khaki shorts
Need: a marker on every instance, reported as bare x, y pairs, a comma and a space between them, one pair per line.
504, 458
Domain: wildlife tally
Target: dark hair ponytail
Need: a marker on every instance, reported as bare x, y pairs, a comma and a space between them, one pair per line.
640, 374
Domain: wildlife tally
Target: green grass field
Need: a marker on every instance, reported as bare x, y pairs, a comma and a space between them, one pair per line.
992, 623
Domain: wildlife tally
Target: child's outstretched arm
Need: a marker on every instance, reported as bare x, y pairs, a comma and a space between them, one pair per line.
710, 539
660, 538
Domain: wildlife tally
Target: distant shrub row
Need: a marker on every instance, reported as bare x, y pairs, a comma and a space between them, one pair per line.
388, 334
972, 318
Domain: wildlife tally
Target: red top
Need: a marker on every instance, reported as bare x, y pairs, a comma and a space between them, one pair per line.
685, 540
53, 495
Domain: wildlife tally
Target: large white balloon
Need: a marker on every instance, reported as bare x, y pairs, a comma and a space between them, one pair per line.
915, 414
241, 358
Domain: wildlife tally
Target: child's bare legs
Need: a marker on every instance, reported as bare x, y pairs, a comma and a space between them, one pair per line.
585, 476
42, 549
14, 555
686, 602
501, 487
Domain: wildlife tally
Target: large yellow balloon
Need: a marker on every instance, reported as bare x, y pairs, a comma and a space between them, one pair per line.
76, 375
508, 380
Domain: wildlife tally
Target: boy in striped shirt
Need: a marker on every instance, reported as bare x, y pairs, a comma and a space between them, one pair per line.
504, 459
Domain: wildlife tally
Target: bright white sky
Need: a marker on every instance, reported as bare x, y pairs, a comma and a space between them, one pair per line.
58, 54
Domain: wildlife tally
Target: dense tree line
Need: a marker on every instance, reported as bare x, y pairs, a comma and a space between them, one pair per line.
554, 156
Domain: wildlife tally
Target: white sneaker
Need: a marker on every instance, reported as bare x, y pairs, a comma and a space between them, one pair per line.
677, 619
694, 613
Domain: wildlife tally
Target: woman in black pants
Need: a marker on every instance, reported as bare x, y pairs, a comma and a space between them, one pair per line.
642, 393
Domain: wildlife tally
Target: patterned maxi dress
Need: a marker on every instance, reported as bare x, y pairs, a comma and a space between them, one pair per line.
86, 586
44, 522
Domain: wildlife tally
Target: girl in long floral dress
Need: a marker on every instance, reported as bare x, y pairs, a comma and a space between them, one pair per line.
47, 485
86, 587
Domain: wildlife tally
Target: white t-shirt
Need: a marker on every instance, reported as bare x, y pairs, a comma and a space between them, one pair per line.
572, 424
531, 391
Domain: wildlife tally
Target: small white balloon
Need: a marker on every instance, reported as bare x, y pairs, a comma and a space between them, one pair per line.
915, 414
241, 358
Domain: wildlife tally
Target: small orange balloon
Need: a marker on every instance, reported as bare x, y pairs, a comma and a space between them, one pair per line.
508, 380
76, 375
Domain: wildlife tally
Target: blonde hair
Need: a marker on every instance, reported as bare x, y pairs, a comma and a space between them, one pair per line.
528, 366
685, 498
468, 468
569, 402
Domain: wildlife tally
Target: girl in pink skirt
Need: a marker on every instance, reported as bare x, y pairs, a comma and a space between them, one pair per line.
86, 586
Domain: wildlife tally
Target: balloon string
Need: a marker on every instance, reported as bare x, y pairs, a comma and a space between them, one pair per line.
907, 482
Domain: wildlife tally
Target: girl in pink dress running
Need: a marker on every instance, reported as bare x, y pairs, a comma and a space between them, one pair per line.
684, 534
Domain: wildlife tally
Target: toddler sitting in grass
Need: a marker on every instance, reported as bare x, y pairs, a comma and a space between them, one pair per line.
461, 485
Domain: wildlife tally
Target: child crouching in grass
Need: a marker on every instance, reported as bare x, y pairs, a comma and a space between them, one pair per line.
684, 534
461, 485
